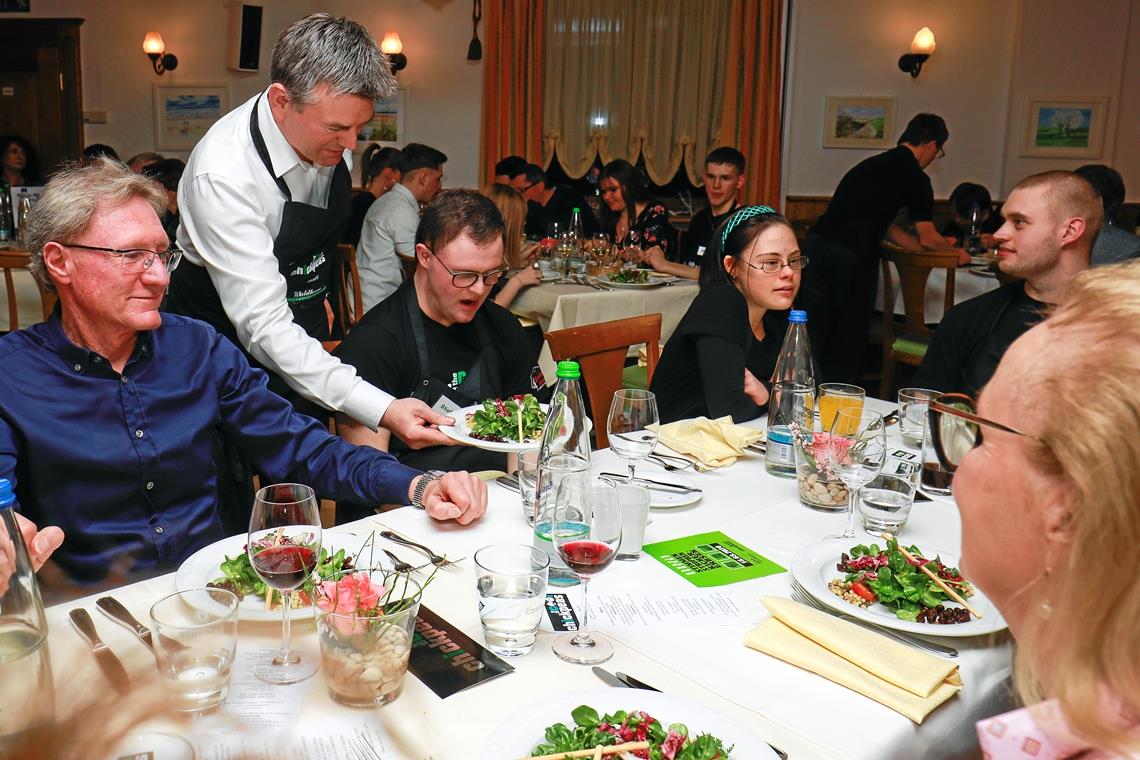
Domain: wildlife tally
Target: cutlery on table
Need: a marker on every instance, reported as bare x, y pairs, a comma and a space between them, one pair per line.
629, 682
113, 609
509, 482
398, 564
891, 419
653, 485
107, 660
435, 559
667, 462
804, 597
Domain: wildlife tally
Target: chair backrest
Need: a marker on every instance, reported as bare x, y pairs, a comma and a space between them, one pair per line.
11, 261
601, 350
914, 272
349, 304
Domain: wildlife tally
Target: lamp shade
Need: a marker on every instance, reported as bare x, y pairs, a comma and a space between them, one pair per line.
923, 42
391, 45
153, 44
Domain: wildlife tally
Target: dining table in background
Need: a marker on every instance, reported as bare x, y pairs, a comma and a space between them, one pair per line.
969, 282
797, 711
555, 306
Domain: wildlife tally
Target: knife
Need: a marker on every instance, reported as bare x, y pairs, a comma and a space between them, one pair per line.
654, 485
107, 660
113, 609
634, 683
510, 482
609, 678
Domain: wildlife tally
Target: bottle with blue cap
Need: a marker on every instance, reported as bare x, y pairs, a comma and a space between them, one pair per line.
792, 401
25, 668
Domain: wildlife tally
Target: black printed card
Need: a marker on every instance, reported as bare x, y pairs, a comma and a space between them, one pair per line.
447, 660
561, 613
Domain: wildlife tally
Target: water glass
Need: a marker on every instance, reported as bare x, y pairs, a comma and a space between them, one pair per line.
195, 637
836, 396
528, 481
511, 581
790, 404
885, 503
913, 403
633, 501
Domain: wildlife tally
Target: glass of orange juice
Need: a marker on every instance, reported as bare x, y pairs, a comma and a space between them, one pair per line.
835, 396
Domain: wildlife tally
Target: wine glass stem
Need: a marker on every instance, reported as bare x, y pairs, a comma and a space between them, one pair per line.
852, 494
286, 626
632, 465
583, 637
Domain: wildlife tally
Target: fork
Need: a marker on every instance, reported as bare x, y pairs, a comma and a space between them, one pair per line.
661, 460
400, 565
802, 596
435, 559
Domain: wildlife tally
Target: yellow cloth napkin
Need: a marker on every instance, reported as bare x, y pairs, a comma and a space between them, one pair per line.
904, 679
489, 474
713, 443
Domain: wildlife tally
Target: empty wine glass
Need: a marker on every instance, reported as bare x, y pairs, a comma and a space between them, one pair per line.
586, 533
856, 451
632, 411
284, 544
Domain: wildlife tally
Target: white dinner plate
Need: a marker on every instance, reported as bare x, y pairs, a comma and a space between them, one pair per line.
814, 567
669, 499
982, 272
204, 566
461, 433
607, 282
549, 275
516, 736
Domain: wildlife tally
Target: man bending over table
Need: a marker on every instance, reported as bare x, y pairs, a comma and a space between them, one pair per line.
439, 338
108, 408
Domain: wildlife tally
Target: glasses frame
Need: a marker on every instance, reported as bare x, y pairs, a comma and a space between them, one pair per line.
173, 255
941, 405
941, 152
803, 262
501, 271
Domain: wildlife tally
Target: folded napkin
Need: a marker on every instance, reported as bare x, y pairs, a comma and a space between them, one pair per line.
713, 443
904, 679
489, 474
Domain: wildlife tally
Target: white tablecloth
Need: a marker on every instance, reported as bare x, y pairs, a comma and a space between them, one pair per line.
967, 285
797, 711
556, 306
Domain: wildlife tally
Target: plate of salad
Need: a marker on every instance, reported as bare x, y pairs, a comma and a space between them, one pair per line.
875, 583
226, 564
584, 719
635, 279
495, 424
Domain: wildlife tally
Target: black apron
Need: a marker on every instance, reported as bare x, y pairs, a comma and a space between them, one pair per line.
303, 248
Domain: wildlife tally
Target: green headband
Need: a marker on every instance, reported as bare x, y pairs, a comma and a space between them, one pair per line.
742, 214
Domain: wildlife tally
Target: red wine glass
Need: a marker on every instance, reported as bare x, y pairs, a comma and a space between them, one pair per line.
586, 532
284, 544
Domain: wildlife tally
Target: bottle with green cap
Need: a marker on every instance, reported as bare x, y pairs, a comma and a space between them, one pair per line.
25, 668
565, 450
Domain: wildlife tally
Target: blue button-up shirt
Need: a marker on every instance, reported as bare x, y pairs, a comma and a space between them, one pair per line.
124, 462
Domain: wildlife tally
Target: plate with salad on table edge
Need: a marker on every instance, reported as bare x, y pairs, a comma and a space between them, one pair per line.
520, 735
816, 566
205, 566
633, 279
495, 424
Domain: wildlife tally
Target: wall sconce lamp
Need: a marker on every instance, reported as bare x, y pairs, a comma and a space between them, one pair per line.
394, 49
155, 49
920, 49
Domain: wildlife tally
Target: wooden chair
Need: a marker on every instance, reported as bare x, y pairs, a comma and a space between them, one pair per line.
11, 261
349, 306
909, 346
408, 264
600, 350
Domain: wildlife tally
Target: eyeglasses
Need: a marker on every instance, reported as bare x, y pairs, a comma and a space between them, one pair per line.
467, 279
135, 260
956, 428
772, 266
941, 153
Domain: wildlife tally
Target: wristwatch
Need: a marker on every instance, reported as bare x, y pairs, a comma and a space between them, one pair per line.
421, 486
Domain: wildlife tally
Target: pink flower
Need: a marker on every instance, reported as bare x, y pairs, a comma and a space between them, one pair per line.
352, 594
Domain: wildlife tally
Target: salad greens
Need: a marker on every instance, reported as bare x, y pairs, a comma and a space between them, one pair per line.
591, 730
239, 576
630, 275
498, 419
887, 576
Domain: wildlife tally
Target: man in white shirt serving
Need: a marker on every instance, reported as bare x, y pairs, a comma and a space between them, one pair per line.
263, 199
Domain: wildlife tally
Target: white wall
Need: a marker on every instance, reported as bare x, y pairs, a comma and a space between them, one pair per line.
990, 54
445, 89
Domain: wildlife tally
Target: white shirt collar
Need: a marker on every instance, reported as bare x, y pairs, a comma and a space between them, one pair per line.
281, 154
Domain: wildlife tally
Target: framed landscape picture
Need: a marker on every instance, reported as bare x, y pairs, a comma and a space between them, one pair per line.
867, 123
389, 124
1064, 126
183, 113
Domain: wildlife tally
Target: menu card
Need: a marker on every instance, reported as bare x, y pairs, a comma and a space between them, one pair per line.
447, 660
711, 559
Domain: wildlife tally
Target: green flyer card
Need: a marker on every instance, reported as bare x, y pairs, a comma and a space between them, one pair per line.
711, 559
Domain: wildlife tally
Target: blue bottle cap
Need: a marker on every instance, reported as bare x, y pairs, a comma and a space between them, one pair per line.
7, 498
797, 315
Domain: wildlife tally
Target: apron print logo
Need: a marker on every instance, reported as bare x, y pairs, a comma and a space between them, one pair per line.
457, 378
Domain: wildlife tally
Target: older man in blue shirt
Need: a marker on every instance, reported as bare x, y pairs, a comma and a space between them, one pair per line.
107, 409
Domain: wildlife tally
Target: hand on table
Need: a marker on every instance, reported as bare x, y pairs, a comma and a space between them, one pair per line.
40, 543
458, 496
755, 389
527, 276
413, 421
531, 252
654, 257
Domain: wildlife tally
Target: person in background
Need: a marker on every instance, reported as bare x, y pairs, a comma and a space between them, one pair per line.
551, 204
140, 161
629, 215
844, 245
1112, 244
524, 272
263, 201
724, 350
964, 199
379, 172
98, 150
389, 229
508, 169
168, 173
723, 180
1051, 220
20, 167
1047, 482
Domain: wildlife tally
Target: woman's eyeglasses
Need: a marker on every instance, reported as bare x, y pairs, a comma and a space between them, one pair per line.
956, 428
136, 260
772, 266
467, 279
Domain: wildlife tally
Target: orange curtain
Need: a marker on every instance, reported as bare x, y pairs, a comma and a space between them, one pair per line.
512, 83
752, 94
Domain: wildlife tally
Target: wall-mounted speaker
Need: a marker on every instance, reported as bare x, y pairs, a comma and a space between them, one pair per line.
243, 37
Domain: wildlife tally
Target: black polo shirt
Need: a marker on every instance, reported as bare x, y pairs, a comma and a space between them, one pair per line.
559, 209
699, 235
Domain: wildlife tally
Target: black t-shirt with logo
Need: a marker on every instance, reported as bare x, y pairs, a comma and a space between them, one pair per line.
698, 238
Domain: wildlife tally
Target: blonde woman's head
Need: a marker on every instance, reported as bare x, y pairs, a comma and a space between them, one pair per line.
513, 208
